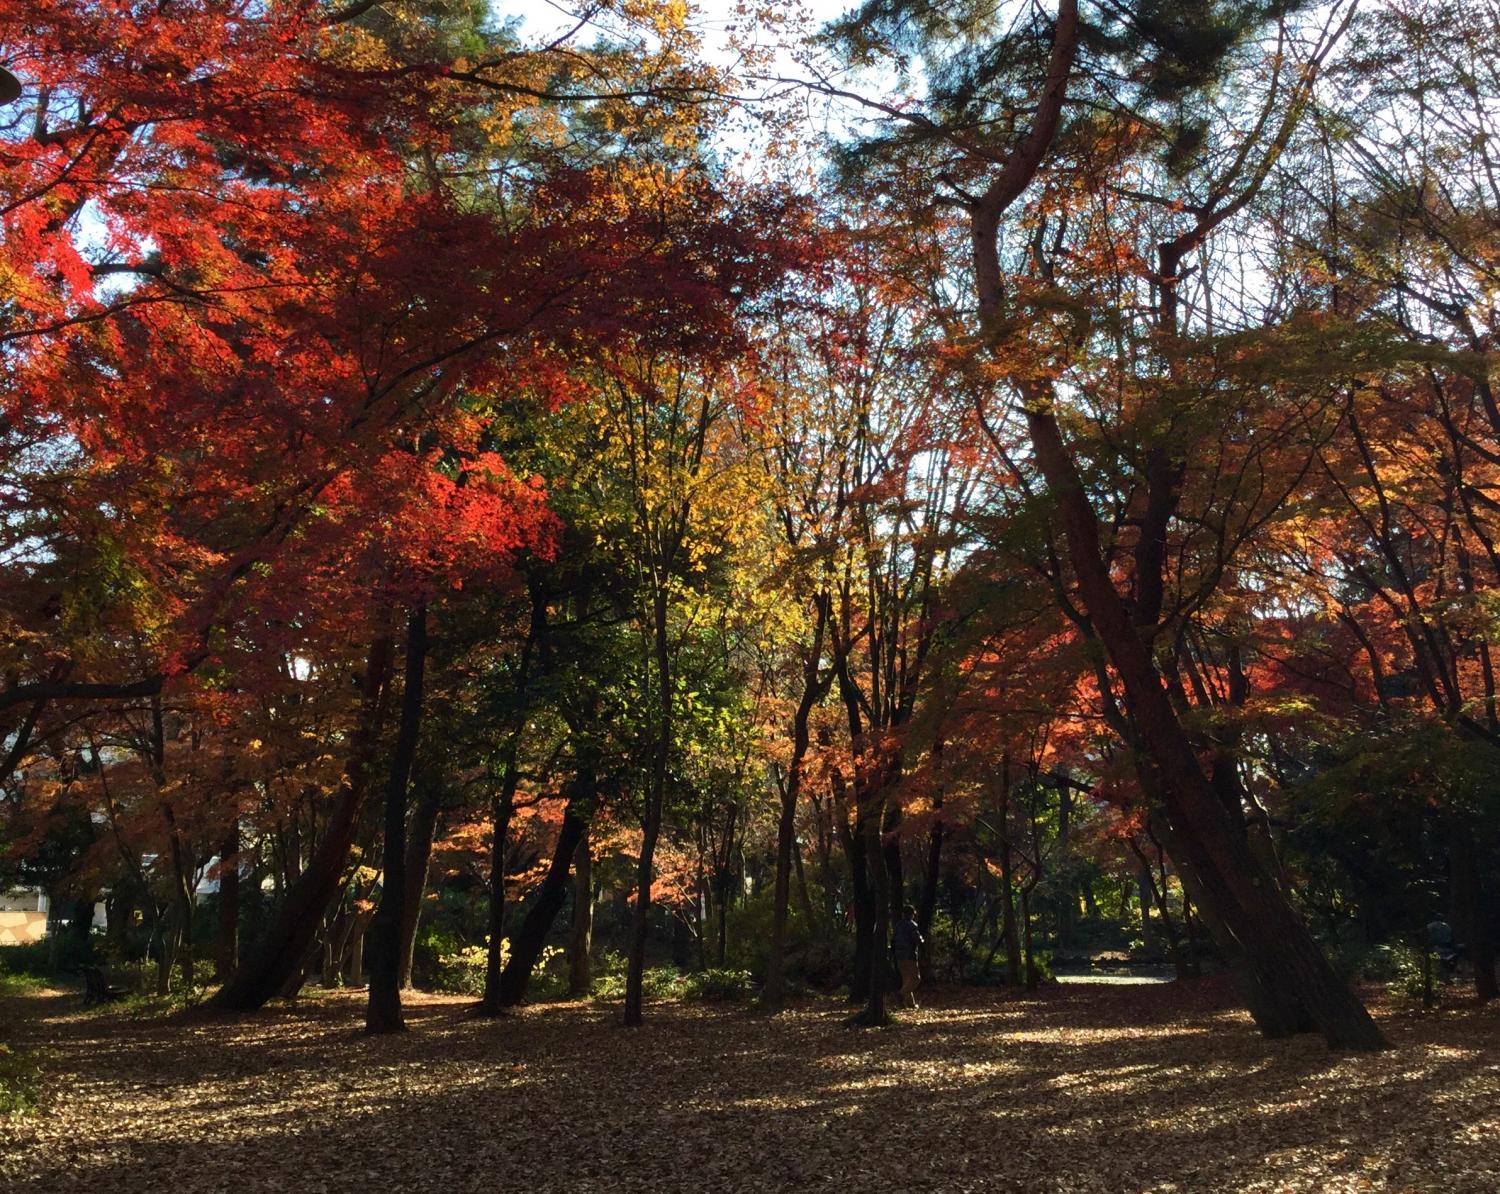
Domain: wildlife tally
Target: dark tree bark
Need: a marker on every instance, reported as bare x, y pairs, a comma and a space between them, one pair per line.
226, 956
927, 907
814, 686
581, 939
527, 942
281, 953
860, 895
1473, 913
652, 816
878, 980
383, 1012
424, 819
1009, 930
1247, 900
890, 844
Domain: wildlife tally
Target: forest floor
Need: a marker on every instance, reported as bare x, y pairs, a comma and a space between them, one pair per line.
1087, 1088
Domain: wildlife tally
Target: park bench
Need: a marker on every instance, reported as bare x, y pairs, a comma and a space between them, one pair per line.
96, 987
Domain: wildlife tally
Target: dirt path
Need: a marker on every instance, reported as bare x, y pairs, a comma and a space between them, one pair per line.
1098, 1088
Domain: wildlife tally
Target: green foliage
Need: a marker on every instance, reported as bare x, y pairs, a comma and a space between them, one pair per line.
735, 986
815, 956
669, 983
1409, 971
658, 982
20, 1079
461, 972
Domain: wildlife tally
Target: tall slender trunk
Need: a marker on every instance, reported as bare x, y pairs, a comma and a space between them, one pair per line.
928, 905
502, 806
863, 900
871, 819
283, 948
890, 844
581, 940
1473, 912
1008, 880
423, 828
227, 954
814, 686
383, 1012
651, 820
527, 942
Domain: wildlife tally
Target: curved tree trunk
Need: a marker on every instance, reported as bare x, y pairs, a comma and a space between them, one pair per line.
282, 951
527, 942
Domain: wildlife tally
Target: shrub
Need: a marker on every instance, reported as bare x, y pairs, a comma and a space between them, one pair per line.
462, 971
711, 984
658, 982
1408, 971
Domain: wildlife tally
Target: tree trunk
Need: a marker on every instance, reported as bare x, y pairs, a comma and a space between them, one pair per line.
878, 980
502, 806
928, 906
226, 956
282, 950
1033, 978
1472, 912
1247, 900
813, 688
890, 845
860, 895
651, 822
424, 820
580, 943
383, 1012
1007, 882
527, 942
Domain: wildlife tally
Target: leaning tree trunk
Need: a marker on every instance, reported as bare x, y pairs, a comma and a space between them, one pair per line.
383, 1012
283, 948
581, 940
1242, 894
527, 943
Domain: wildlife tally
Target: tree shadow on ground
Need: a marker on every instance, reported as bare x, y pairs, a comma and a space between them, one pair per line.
1074, 1089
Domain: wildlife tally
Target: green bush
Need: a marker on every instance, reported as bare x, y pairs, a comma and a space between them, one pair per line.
20, 1079
1407, 970
658, 982
462, 972
733, 985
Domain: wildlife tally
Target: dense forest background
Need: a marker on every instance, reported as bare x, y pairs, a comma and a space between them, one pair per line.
631, 509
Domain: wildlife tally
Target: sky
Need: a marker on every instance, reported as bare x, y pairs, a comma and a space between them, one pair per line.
741, 140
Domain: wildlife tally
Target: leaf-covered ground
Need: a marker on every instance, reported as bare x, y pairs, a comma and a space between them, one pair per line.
1083, 1088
